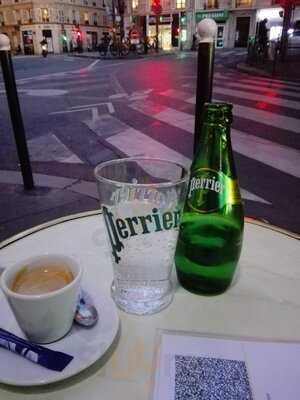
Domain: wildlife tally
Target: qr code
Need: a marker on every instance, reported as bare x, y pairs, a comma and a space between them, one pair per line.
200, 378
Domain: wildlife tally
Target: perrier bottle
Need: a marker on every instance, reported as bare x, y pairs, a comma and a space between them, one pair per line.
211, 231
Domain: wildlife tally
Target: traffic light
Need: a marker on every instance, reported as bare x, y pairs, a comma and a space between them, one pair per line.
156, 7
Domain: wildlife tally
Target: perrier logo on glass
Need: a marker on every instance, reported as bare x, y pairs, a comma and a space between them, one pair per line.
211, 230
210, 190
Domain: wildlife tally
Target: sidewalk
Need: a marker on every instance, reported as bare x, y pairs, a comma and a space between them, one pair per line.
289, 70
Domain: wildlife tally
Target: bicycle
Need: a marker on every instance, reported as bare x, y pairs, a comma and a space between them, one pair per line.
118, 49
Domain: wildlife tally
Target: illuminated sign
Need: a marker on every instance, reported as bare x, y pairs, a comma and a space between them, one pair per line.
218, 16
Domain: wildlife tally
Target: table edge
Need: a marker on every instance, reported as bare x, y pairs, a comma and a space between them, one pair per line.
91, 213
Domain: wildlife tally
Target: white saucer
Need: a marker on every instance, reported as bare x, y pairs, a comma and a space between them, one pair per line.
85, 345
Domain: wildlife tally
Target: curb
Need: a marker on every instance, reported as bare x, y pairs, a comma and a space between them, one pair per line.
247, 68
134, 57
260, 72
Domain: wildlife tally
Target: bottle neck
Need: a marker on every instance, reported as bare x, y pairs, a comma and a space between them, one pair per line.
214, 149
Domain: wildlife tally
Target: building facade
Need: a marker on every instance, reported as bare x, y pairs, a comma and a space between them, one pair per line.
236, 20
66, 25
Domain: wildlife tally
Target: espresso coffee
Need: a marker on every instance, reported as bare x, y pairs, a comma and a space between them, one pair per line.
41, 279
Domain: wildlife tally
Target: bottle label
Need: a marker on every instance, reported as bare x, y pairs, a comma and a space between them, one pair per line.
211, 190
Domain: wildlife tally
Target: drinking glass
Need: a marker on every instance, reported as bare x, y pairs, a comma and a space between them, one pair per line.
142, 200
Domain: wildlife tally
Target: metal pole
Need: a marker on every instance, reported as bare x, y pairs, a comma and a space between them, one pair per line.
207, 29
15, 111
156, 31
288, 7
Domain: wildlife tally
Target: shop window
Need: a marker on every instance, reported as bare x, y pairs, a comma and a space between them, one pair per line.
211, 4
180, 3
243, 3
61, 16
135, 4
95, 19
45, 15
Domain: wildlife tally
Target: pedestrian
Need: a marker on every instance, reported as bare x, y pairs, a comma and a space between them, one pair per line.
263, 34
146, 44
193, 48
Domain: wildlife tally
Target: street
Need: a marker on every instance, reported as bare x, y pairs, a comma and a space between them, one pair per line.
78, 112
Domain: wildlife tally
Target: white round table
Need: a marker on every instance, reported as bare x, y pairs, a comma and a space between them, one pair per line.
263, 303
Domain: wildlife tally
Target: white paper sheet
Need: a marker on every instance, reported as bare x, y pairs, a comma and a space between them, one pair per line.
193, 367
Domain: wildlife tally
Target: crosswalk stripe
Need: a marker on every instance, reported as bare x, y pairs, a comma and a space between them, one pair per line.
133, 142
279, 81
278, 101
256, 82
265, 90
261, 116
165, 114
270, 83
74, 82
275, 155
251, 146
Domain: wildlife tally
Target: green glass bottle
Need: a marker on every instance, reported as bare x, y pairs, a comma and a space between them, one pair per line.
211, 230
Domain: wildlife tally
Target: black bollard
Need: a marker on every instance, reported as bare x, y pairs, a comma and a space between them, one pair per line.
15, 111
205, 72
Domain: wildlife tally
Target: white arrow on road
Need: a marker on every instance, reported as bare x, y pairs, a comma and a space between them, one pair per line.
89, 107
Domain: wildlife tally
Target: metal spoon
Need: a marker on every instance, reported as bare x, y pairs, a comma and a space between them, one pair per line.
86, 314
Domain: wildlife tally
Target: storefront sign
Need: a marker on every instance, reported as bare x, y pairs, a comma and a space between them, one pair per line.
218, 16
163, 19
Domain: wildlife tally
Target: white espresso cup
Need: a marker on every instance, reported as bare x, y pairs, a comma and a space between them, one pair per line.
46, 317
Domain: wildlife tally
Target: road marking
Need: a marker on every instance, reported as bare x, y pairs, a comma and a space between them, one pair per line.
45, 92
49, 148
278, 101
132, 142
257, 80
91, 107
91, 66
258, 84
109, 105
61, 74
117, 96
274, 81
171, 116
264, 89
95, 114
275, 155
261, 116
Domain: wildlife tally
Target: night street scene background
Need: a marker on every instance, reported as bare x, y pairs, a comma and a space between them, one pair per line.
81, 108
